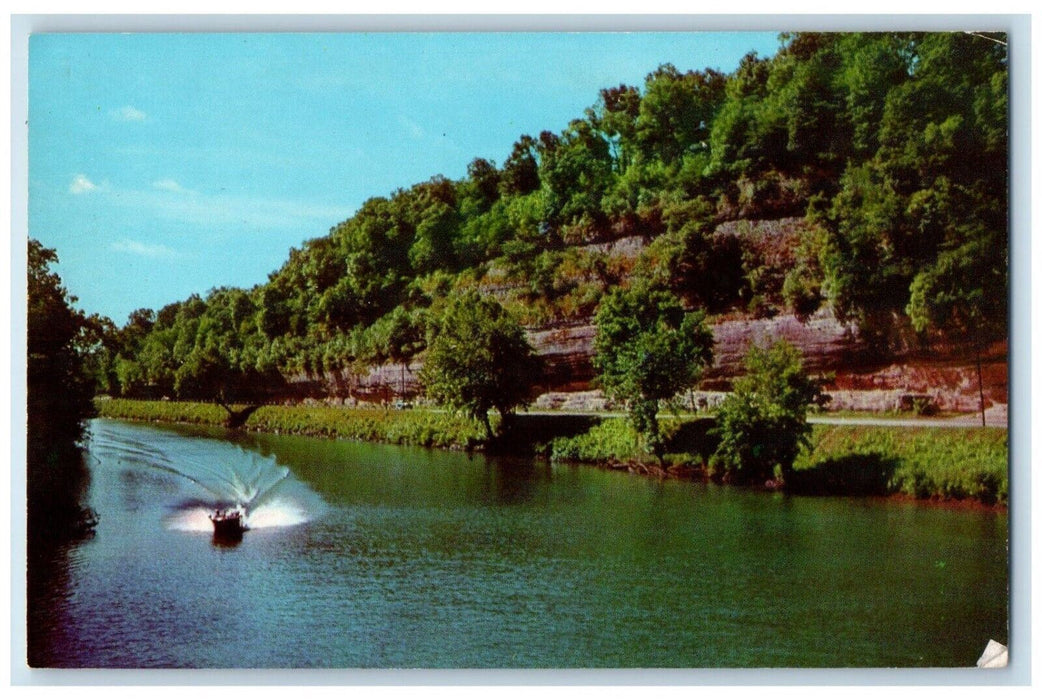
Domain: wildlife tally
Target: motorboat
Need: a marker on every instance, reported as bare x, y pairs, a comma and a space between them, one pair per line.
229, 523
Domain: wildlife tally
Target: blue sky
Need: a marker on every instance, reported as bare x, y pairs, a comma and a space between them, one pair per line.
166, 165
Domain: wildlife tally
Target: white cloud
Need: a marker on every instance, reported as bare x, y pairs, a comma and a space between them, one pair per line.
168, 199
128, 114
169, 185
144, 249
200, 208
81, 184
411, 128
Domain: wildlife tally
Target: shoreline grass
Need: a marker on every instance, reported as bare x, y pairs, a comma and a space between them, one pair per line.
925, 463
942, 464
413, 427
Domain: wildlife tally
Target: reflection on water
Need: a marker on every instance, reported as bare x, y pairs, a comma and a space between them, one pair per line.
375, 556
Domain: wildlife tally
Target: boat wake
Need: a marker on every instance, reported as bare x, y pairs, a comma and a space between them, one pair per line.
276, 512
224, 476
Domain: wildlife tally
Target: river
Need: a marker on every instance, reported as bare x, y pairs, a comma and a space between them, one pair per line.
363, 556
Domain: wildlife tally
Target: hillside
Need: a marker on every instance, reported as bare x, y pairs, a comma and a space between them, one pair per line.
848, 194
864, 379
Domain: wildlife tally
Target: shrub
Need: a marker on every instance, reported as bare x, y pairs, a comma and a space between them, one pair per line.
613, 440
762, 424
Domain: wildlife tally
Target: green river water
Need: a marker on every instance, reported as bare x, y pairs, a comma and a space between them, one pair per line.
365, 556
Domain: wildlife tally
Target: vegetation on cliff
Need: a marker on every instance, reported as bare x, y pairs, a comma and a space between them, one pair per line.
890, 148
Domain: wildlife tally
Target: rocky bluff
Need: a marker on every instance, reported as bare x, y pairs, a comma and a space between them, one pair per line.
883, 370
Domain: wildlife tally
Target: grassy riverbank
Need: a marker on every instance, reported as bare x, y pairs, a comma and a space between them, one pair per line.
419, 428
858, 460
938, 463
925, 463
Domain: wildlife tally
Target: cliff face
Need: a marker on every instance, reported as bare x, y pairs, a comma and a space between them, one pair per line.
866, 376
826, 344
945, 377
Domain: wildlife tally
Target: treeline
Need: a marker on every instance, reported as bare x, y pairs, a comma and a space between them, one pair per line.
890, 149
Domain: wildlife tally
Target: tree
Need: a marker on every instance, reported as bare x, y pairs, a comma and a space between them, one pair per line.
98, 345
676, 111
648, 349
59, 394
139, 324
575, 171
703, 268
939, 174
432, 248
762, 424
481, 188
743, 137
873, 64
963, 297
615, 116
398, 337
521, 170
478, 359
805, 105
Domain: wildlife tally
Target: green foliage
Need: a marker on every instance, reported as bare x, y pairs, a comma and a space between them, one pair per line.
706, 269
98, 345
478, 359
865, 271
59, 390
481, 188
614, 440
399, 335
939, 463
575, 172
742, 137
802, 292
615, 117
162, 411
872, 66
938, 180
676, 111
521, 170
804, 289
925, 463
432, 247
647, 350
964, 293
762, 424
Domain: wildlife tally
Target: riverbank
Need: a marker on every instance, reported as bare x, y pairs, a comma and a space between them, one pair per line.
406, 427
937, 463
949, 464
